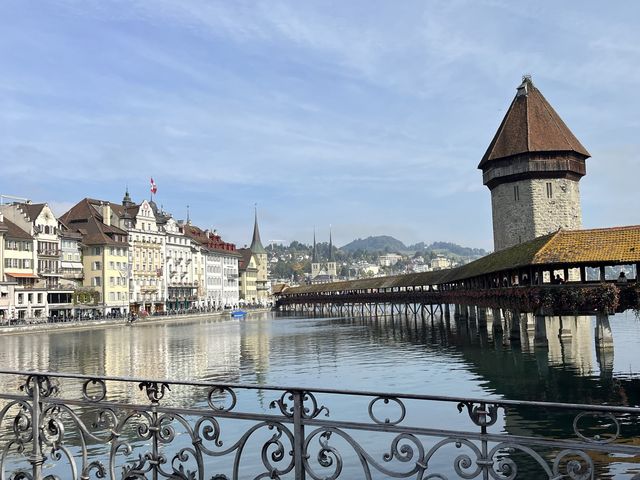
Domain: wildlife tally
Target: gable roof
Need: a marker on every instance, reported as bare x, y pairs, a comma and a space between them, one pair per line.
85, 218
13, 231
531, 125
245, 259
32, 209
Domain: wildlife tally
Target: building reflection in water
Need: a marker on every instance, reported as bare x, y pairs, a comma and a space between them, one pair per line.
500, 353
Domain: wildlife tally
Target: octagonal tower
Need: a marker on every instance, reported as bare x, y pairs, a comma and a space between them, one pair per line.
532, 168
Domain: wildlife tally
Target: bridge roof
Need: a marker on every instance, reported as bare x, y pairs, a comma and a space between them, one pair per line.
572, 248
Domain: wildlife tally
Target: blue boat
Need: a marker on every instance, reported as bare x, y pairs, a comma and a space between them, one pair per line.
238, 314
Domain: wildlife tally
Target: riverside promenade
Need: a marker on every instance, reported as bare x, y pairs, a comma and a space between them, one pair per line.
107, 322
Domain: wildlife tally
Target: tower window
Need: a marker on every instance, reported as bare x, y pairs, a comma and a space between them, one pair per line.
549, 190
516, 193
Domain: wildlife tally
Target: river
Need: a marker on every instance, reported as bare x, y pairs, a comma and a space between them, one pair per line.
391, 355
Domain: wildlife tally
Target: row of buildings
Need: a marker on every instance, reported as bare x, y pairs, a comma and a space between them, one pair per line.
103, 258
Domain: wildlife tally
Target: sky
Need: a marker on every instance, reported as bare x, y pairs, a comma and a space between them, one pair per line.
369, 116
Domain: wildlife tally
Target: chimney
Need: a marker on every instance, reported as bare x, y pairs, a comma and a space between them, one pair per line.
106, 214
1, 217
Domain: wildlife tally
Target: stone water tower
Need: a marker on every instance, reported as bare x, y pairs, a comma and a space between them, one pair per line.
532, 167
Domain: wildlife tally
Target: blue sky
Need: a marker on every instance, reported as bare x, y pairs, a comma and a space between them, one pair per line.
368, 115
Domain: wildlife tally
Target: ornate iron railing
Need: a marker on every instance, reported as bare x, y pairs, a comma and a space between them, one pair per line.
62, 426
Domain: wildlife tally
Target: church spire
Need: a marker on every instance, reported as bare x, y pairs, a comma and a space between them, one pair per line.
314, 258
256, 243
331, 259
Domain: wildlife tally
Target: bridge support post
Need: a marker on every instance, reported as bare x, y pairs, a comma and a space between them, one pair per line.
497, 320
514, 331
565, 328
540, 339
604, 345
603, 335
482, 317
447, 312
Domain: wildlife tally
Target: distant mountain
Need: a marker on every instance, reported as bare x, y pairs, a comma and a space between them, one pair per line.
457, 249
380, 243
386, 243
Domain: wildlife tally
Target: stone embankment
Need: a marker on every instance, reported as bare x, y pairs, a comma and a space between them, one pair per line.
108, 322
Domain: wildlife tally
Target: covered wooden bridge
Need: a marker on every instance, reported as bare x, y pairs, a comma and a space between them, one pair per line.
562, 272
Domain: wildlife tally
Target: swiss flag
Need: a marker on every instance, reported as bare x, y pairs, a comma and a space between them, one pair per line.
154, 187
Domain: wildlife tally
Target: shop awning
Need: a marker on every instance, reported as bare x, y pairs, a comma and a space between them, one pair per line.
76, 265
22, 275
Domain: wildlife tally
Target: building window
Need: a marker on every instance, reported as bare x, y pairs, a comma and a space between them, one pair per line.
516, 193
549, 190
96, 281
96, 266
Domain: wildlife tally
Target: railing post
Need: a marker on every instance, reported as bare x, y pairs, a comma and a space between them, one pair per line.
298, 434
36, 459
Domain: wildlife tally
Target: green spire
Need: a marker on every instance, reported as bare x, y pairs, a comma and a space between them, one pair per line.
256, 243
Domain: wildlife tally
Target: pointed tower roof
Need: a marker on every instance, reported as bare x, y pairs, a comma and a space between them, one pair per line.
126, 200
531, 125
314, 258
331, 259
256, 243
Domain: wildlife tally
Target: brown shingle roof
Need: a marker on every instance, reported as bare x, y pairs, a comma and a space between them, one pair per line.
245, 259
86, 219
32, 209
531, 125
13, 231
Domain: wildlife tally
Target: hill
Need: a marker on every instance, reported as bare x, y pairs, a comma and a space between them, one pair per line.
386, 243
380, 243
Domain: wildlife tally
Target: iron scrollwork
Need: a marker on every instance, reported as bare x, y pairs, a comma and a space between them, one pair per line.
155, 390
310, 405
195, 442
483, 414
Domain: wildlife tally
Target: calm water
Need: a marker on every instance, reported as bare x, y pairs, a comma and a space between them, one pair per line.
401, 355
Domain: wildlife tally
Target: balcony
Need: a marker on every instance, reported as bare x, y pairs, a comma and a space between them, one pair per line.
50, 271
49, 253
73, 275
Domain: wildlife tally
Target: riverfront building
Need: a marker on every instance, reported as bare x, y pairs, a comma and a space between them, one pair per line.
32, 261
532, 167
219, 272
183, 275
254, 274
105, 258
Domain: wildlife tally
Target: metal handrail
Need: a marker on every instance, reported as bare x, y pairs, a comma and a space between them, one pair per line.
333, 391
300, 426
